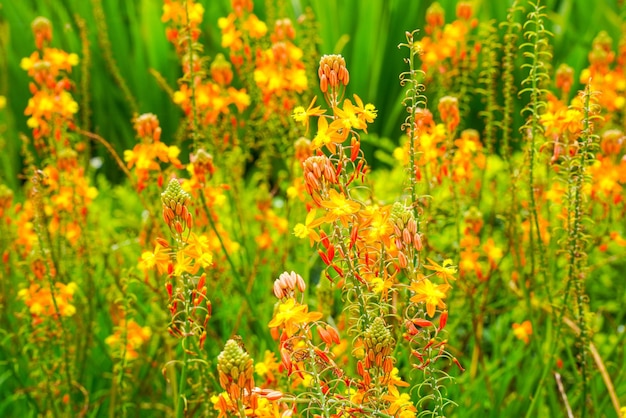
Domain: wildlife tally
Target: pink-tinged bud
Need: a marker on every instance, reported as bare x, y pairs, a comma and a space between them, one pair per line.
278, 291
402, 260
333, 78
417, 242
274, 395
406, 236
286, 360
443, 320
412, 226
300, 283
317, 171
323, 83
289, 279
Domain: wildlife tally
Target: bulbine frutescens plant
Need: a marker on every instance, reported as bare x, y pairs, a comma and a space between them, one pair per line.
373, 256
184, 262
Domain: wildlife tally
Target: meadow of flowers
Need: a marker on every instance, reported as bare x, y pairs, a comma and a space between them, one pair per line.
276, 209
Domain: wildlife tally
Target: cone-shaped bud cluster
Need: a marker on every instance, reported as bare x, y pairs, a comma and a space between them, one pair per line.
221, 70
378, 344
67, 159
191, 62
435, 16
42, 29
302, 147
235, 369
175, 212
283, 30
474, 219
601, 54
203, 166
464, 10
6, 199
449, 111
612, 142
564, 78
287, 283
332, 72
318, 173
404, 228
147, 127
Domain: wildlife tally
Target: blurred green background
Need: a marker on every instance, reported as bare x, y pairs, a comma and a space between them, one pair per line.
366, 32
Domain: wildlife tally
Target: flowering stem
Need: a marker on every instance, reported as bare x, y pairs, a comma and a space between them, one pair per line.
182, 400
316, 378
194, 120
239, 282
41, 225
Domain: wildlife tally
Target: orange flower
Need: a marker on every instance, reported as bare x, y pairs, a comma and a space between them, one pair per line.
135, 337
523, 331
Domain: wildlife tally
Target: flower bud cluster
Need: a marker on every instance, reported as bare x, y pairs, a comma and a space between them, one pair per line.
318, 172
332, 72
378, 345
236, 370
175, 212
286, 284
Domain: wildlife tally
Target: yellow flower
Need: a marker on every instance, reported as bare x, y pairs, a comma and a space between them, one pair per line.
399, 403
339, 207
301, 115
291, 314
328, 135
445, 271
159, 258
433, 296
3, 102
349, 117
307, 228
